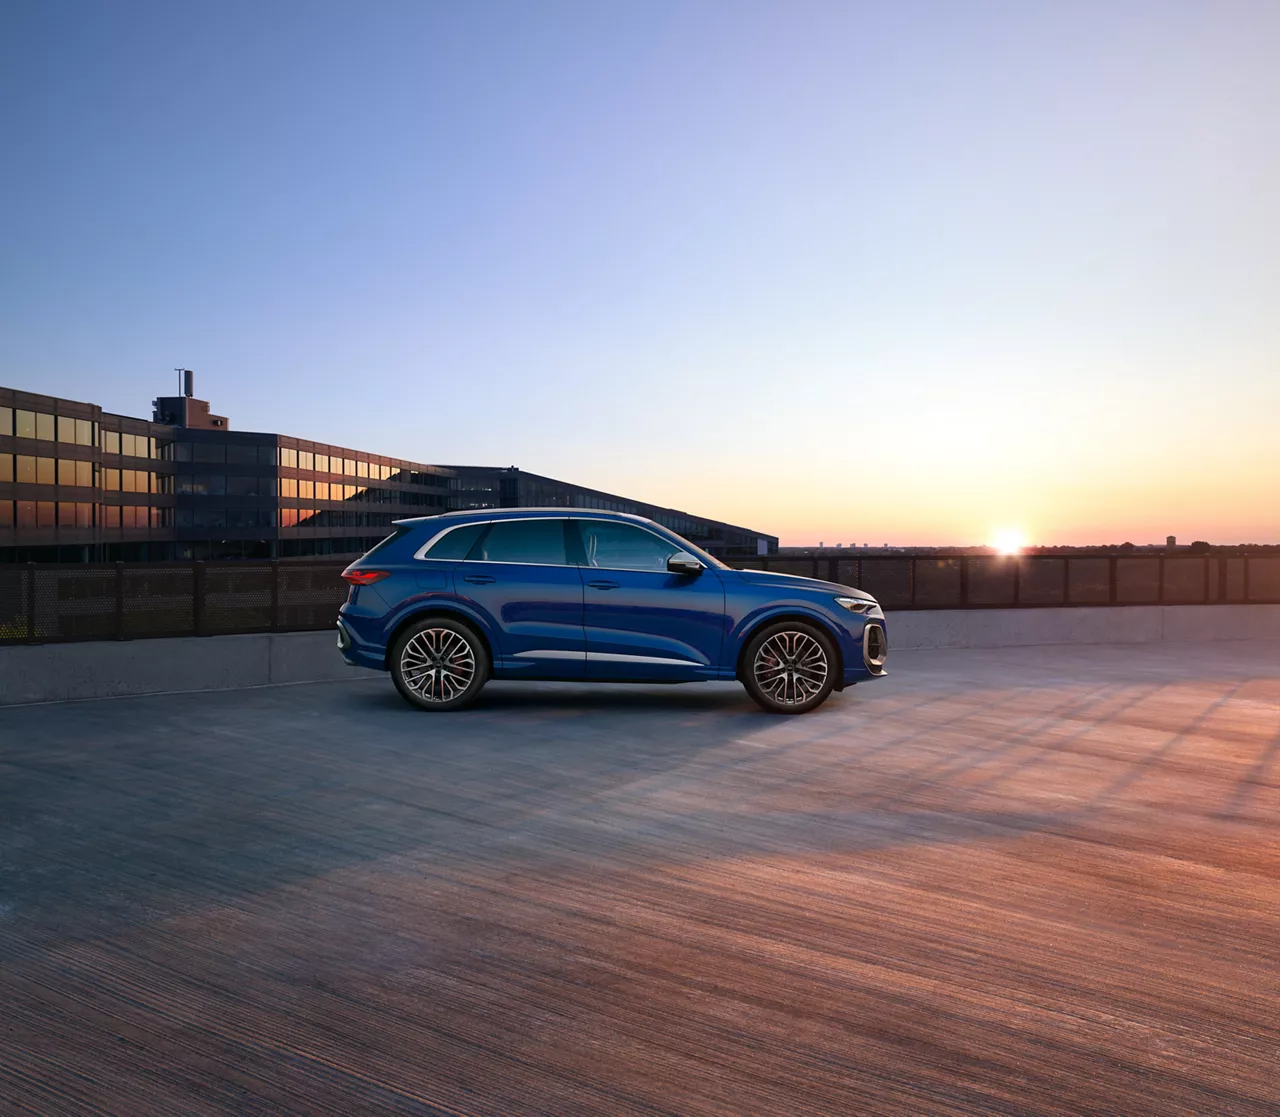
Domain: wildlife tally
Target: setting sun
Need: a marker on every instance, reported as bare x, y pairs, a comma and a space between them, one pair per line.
1009, 541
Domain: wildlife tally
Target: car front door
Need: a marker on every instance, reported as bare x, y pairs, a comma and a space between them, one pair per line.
518, 576
643, 622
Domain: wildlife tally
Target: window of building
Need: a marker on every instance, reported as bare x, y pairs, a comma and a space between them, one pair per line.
306, 459
127, 445
6, 467
362, 469
25, 426
66, 513
307, 490
6, 420
66, 472
45, 427
527, 541
288, 457
109, 515
348, 467
46, 471
111, 480
288, 487
613, 546
6, 513
322, 490
212, 452
84, 514
206, 484
84, 432
66, 429
46, 515
84, 474
322, 463
111, 442
26, 513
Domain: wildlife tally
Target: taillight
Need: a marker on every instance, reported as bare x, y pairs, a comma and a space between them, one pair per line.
365, 577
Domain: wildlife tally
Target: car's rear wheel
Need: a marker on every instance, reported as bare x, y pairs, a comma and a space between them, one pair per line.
439, 664
789, 667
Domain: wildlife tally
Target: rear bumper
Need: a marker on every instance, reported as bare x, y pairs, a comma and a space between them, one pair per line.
356, 651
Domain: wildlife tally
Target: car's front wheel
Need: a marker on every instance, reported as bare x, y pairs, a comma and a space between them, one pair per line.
439, 664
789, 667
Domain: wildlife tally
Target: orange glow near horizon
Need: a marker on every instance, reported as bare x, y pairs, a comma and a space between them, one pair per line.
1009, 540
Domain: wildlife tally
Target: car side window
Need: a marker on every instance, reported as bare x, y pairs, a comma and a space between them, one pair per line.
527, 541
615, 546
456, 543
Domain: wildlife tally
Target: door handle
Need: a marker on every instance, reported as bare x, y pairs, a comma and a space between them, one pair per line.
478, 579
602, 585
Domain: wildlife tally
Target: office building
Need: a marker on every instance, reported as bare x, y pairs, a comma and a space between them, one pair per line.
78, 484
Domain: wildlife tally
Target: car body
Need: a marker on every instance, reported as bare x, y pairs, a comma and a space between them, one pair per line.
585, 595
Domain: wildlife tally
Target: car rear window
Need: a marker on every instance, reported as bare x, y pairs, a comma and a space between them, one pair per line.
456, 543
399, 533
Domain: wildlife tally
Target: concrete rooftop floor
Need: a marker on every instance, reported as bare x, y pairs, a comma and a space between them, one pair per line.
1033, 880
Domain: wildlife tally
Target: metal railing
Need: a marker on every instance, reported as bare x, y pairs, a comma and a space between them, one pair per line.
45, 603
1039, 581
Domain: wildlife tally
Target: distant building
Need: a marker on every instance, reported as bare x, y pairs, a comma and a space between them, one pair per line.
1171, 542
78, 484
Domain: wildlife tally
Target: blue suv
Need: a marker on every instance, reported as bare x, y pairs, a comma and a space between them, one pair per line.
448, 602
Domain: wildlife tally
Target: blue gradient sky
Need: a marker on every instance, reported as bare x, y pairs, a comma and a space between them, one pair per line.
907, 272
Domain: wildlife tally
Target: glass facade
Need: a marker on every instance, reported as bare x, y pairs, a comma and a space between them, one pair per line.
81, 485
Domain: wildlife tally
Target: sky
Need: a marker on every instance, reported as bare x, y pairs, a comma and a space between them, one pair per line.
908, 272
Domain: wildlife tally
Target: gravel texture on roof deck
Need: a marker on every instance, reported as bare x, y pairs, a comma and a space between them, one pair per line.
1023, 881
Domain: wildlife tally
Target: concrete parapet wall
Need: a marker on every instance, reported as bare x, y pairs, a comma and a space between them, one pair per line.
107, 669
1131, 624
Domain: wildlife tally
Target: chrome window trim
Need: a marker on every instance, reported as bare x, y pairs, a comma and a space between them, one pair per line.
420, 555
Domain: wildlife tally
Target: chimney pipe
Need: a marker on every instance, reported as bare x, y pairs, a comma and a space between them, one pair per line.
188, 383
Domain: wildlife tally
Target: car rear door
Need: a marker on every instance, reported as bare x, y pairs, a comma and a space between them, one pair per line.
641, 621
518, 576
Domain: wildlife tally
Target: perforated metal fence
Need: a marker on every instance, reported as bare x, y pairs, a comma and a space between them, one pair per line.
46, 603
995, 582
119, 601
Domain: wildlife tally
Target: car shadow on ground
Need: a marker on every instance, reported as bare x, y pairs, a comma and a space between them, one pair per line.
729, 697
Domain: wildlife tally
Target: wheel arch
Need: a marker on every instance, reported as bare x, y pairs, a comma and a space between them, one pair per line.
744, 638
436, 609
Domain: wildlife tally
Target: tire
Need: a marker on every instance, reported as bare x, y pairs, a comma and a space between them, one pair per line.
423, 648
790, 667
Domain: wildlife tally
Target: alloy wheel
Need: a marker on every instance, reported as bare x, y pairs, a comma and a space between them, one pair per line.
438, 664
790, 668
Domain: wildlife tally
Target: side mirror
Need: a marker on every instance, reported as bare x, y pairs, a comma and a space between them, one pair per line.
684, 563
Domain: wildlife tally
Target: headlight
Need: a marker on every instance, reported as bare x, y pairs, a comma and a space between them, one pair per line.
861, 605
